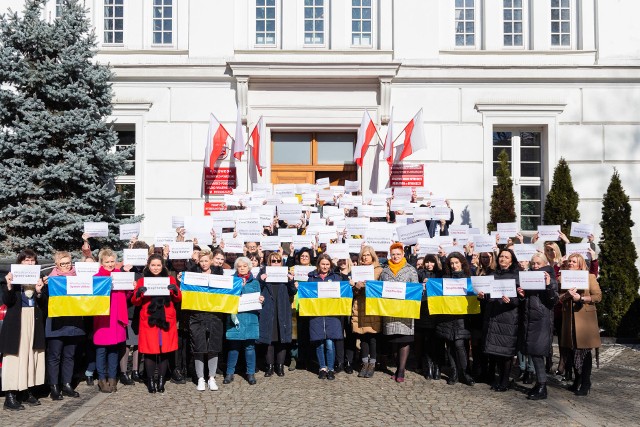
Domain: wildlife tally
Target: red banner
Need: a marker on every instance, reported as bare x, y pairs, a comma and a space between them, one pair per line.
220, 180
212, 207
407, 175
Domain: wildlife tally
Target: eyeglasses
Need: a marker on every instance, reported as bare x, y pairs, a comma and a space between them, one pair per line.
65, 264
367, 254
276, 259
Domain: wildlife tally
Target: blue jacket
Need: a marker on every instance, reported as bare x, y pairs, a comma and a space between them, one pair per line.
285, 291
325, 327
248, 326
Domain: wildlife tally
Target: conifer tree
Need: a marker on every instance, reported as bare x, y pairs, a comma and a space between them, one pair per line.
57, 163
619, 277
561, 205
503, 208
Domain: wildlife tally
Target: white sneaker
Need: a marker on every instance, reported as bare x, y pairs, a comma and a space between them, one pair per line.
201, 384
212, 384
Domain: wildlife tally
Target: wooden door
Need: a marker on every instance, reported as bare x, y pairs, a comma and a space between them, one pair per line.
292, 177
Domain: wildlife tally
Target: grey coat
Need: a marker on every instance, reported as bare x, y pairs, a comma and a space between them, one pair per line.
399, 325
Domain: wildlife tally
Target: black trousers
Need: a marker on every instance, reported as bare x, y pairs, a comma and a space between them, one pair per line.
60, 358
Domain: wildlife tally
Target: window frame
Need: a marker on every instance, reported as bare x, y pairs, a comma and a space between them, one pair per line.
372, 43
325, 23
572, 25
162, 19
136, 159
525, 26
477, 34
255, 32
348, 165
112, 4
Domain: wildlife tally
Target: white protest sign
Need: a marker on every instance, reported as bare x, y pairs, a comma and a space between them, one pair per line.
249, 302
442, 213
454, 287
394, 290
351, 186
196, 279
165, 238
524, 251
251, 227
362, 273
474, 231
481, 284
79, 285
270, 243
422, 213
578, 279
287, 232
503, 240
483, 242
507, 229
427, 246
273, 199
234, 246
504, 288
300, 242
135, 256
338, 190
156, 286
338, 250
549, 232
301, 272
438, 201
284, 190
357, 226
267, 187
96, 229
87, 268
197, 225
24, 274
323, 182
122, 281
409, 234
129, 231
581, 230
379, 244
223, 281
459, 231
180, 250
532, 280
355, 245
578, 248
177, 221
328, 289
277, 274
228, 272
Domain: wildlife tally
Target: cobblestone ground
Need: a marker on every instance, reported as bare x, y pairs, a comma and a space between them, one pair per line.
301, 399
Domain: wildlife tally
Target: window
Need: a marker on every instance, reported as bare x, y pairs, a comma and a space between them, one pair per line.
465, 23
58, 8
512, 16
266, 22
113, 21
524, 148
560, 22
361, 22
162, 21
314, 22
126, 184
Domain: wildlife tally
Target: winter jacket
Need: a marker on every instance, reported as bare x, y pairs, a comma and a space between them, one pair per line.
580, 320
399, 325
360, 322
273, 305
10, 332
152, 339
206, 329
245, 325
325, 327
111, 329
451, 327
425, 321
536, 332
501, 321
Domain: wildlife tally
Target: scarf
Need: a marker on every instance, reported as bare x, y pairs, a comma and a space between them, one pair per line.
56, 272
395, 268
156, 310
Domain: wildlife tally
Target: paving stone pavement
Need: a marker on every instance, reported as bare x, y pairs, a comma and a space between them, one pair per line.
301, 399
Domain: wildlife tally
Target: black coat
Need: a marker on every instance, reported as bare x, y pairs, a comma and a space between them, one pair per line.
325, 327
501, 321
203, 323
426, 321
10, 334
451, 327
536, 333
282, 304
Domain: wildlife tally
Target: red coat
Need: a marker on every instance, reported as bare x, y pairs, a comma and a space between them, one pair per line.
149, 336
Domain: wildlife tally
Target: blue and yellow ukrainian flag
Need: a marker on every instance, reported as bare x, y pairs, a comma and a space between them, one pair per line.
311, 305
62, 304
440, 304
408, 308
216, 300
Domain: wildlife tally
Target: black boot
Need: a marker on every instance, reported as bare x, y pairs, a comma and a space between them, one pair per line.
339, 368
31, 399
576, 383
11, 402
527, 378
177, 377
125, 379
268, 370
533, 389
467, 379
161, 383
279, 370
67, 390
436, 372
348, 368
585, 378
135, 376
89, 380
453, 375
55, 392
151, 385
427, 368
539, 392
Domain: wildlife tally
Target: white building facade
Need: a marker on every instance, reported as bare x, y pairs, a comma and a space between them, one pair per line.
541, 79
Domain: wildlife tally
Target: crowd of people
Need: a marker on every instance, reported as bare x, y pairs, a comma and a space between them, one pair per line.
151, 339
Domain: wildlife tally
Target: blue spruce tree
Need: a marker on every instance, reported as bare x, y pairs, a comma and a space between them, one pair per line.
57, 162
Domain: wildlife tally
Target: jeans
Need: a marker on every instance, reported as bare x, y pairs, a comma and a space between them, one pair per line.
525, 362
249, 355
107, 358
331, 354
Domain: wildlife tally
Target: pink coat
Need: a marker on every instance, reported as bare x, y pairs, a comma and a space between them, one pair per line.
112, 329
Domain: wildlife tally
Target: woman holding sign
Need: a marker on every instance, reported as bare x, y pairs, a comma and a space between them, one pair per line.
399, 330
501, 318
366, 327
110, 332
158, 333
580, 330
324, 330
537, 325
276, 316
243, 328
22, 339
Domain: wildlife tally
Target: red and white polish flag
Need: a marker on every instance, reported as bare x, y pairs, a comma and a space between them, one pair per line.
366, 132
413, 136
217, 138
258, 150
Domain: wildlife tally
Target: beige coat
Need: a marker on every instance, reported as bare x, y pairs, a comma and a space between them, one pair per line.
581, 319
364, 324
